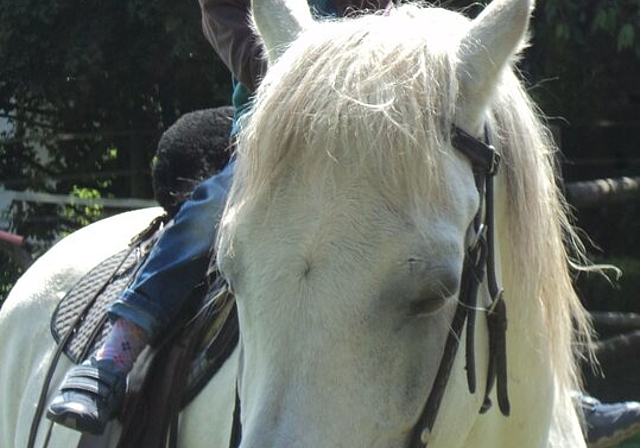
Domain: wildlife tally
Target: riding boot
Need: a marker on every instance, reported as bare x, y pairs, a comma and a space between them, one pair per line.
90, 395
93, 392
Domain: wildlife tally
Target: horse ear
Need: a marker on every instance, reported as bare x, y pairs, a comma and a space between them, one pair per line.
494, 37
279, 23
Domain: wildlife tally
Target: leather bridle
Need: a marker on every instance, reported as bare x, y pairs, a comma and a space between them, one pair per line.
479, 261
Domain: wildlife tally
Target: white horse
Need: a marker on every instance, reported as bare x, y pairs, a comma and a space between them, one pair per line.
343, 240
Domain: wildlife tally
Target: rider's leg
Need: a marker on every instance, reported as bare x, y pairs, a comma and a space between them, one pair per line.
122, 345
92, 392
178, 261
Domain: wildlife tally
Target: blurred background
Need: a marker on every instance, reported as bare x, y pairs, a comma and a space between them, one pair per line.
88, 86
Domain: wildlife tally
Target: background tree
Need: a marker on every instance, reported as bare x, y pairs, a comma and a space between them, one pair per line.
88, 87
585, 67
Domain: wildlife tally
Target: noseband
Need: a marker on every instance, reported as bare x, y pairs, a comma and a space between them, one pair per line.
479, 261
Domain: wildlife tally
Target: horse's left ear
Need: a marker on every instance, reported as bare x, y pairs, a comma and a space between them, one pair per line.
491, 42
280, 22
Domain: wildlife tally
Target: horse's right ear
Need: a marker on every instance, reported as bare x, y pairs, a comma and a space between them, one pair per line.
279, 23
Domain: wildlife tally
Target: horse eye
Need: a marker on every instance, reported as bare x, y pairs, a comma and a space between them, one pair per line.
433, 290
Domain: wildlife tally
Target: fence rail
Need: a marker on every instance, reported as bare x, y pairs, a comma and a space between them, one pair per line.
596, 193
592, 193
62, 199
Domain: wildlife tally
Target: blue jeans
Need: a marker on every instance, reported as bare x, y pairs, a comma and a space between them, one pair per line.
178, 261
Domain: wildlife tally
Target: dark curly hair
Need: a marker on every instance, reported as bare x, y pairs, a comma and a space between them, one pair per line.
195, 147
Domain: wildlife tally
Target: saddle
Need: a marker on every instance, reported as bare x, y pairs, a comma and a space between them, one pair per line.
170, 374
167, 376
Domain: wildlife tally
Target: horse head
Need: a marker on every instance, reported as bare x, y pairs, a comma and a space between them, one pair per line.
348, 221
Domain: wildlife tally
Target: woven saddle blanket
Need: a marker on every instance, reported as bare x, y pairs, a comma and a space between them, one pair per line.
208, 328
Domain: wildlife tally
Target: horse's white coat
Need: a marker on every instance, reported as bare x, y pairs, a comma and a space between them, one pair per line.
25, 337
27, 345
345, 288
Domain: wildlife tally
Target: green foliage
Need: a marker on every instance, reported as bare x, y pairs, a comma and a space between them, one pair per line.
79, 79
633, 442
83, 214
89, 86
585, 58
584, 65
9, 272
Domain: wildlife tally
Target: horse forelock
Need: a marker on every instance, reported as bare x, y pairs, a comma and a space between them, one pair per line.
376, 96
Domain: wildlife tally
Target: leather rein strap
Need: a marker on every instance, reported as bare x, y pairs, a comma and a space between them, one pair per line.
479, 261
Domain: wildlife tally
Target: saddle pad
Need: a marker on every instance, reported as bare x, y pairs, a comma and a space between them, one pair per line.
209, 334
80, 319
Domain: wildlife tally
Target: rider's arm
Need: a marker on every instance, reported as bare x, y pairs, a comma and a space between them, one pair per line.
226, 26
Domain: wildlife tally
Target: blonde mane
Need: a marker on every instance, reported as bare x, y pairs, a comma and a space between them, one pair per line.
376, 95
543, 243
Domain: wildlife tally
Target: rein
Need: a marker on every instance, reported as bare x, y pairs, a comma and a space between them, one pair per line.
479, 261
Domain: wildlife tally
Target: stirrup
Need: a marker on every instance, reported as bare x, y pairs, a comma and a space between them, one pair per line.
90, 395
